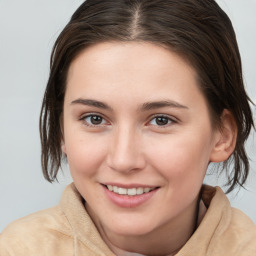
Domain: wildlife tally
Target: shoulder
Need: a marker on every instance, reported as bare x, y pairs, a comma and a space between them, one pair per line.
241, 220
244, 228
234, 232
223, 230
237, 235
28, 235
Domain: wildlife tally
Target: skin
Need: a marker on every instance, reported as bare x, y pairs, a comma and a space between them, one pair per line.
129, 146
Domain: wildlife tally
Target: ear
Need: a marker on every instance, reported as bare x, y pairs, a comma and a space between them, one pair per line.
225, 138
63, 146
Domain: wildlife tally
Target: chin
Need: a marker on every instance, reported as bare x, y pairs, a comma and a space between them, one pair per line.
132, 227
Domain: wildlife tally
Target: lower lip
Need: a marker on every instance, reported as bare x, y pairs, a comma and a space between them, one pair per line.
126, 201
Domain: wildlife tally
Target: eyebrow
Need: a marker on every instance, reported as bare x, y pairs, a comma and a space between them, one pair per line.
161, 104
93, 103
144, 107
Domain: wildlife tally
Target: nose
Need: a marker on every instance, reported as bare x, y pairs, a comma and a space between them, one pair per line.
125, 153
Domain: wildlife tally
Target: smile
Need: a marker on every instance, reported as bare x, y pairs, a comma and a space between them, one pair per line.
129, 196
129, 191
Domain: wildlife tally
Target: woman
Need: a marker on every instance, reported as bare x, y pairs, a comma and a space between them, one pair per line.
142, 97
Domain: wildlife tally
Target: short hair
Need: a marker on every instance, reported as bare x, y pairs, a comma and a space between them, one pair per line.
197, 30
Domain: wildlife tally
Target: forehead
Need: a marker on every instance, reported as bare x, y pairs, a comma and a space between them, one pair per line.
110, 59
143, 70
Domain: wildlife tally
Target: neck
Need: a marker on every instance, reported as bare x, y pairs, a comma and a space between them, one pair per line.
166, 240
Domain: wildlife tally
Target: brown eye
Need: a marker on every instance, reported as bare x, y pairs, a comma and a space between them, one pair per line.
94, 120
161, 121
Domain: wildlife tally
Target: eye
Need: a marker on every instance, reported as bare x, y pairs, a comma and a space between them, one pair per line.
161, 121
94, 120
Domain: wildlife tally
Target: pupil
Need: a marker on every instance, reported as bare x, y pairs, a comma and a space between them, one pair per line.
161, 121
96, 120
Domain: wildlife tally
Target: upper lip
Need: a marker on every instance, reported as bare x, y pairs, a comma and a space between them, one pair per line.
133, 185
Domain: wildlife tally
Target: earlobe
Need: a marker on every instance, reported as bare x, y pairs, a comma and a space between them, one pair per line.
225, 138
63, 147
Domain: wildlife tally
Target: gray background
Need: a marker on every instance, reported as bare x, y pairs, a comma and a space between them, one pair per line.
28, 29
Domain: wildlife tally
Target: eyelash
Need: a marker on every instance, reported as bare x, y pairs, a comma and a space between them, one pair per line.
168, 118
83, 118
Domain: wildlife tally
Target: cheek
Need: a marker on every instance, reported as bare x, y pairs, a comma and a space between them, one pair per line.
182, 163
182, 159
84, 153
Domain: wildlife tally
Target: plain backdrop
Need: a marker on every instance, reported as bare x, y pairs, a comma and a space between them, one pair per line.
28, 29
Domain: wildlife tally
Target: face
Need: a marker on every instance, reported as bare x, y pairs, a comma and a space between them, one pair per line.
135, 122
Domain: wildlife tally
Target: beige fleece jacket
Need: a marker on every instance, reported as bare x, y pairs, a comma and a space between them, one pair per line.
67, 230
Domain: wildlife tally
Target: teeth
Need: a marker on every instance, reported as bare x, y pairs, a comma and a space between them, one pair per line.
139, 191
122, 191
129, 191
110, 187
146, 190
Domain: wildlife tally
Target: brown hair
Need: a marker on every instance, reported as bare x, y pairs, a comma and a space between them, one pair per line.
198, 30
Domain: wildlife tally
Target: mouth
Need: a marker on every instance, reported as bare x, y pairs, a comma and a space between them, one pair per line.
129, 196
130, 191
